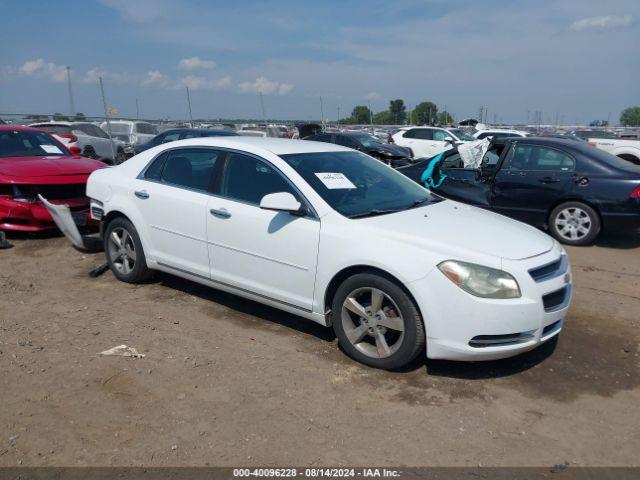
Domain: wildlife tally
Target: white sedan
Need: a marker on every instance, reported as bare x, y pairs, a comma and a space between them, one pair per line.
339, 238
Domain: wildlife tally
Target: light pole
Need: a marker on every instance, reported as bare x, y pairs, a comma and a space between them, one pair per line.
106, 117
72, 107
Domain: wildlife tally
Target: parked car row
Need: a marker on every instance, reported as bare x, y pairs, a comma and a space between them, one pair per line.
338, 228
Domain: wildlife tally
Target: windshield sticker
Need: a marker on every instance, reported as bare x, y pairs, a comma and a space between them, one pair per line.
334, 181
51, 149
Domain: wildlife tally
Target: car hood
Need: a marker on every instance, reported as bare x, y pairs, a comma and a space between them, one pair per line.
463, 228
390, 149
47, 166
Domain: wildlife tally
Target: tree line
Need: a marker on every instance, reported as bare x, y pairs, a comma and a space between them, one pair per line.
397, 114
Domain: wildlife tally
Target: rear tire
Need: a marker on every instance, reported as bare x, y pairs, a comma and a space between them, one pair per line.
124, 252
376, 322
574, 223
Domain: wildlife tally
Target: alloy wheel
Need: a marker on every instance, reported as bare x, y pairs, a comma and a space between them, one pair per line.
122, 250
573, 223
372, 322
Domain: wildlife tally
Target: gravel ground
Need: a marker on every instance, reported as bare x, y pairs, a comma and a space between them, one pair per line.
226, 381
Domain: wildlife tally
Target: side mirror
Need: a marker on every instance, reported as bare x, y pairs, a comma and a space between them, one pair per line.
449, 140
281, 202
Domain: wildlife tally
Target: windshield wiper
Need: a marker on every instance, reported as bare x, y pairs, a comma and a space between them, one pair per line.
372, 213
418, 202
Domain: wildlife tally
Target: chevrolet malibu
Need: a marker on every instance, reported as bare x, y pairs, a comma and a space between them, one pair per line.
337, 237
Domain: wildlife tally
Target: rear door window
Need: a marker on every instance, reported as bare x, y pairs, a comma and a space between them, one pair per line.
190, 168
423, 134
538, 158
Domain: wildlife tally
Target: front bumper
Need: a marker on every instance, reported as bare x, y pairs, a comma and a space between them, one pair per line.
34, 217
469, 328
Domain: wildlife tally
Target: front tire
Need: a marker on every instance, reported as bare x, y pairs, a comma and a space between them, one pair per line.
574, 223
89, 152
376, 322
124, 252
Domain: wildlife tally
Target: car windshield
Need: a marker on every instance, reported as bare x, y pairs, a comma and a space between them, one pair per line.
23, 143
461, 135
357, 185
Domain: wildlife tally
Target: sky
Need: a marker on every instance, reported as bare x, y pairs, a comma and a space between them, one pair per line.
574, 60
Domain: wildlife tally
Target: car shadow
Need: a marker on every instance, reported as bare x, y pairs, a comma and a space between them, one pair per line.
619, 240
493, 368
246, 306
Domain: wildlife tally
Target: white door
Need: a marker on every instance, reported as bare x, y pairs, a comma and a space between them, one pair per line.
272, 254
422, 142
172, 198
438, 144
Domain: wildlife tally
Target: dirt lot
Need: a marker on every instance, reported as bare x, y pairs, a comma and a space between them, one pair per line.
229, 382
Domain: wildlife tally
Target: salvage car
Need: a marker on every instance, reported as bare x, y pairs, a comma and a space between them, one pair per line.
339, 238
393, 155
569, 187
180, 134
426, 142
32, 162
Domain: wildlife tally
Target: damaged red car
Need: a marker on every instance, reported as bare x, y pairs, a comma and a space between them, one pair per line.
31, 163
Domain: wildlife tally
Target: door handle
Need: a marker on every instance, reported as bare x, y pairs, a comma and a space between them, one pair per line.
222, 212
549, 180
143, 194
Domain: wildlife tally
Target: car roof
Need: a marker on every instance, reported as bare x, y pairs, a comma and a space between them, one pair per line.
18, 127
277, 146
539, 141
55, 122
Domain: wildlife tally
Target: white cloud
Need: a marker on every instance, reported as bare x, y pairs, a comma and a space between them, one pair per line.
119, 78
155, 78
195, 82
606, 22
265, 86
53, 72
194, 63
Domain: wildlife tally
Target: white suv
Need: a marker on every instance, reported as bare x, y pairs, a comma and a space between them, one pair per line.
132, 132
427, 142
337, 237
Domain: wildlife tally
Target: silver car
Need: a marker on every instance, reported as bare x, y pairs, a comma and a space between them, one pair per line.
91, 139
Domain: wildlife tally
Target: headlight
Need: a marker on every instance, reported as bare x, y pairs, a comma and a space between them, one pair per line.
481, 281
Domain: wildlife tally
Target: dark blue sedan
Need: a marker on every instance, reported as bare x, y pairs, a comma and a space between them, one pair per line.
181, 134
572, 189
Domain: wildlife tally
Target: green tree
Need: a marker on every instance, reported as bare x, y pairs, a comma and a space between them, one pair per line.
80, 117
361, 115
383, 118
630, 117
397, 111
425, 113
445, 118
60, 117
